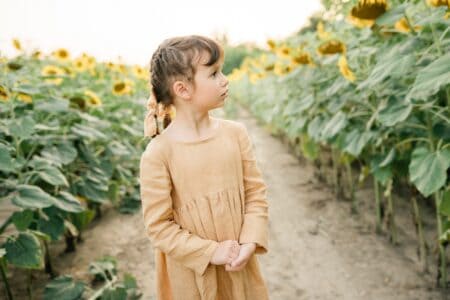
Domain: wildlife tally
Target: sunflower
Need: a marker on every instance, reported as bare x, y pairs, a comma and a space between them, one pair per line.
302, 58
271, 43
402, 25
89, 60
51, 70
321, 33
16, 43
331, 47
61, 54
4, 95
80, 64
36, 54
121, 87
139, 72
437, 3
367, 11
283, 51
92, 98
24, 97
345, 70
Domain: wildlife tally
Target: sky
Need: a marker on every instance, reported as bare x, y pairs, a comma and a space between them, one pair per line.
131, 30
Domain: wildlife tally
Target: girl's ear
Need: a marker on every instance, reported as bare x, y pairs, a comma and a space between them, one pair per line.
181, 89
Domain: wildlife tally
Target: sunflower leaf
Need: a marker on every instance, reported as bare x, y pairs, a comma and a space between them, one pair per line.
430, 79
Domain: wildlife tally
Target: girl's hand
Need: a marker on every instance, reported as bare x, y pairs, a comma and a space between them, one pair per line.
240, 262
226, 252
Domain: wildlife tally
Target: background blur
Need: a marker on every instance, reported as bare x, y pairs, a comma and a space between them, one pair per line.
133, 29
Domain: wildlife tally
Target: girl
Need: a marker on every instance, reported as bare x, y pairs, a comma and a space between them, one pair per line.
203, 196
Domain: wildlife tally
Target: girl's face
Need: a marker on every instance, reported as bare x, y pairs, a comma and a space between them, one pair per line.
211, 85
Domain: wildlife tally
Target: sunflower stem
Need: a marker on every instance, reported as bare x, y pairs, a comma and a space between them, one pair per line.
377, 205
442, 262
419, 230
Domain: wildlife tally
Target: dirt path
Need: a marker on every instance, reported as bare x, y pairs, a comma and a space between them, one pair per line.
317, 250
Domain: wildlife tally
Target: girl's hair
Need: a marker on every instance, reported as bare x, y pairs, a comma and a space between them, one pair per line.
175, 58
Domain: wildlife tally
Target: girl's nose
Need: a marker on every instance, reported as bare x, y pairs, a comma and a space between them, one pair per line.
225, 82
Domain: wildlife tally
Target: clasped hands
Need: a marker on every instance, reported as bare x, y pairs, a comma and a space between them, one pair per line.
233, 255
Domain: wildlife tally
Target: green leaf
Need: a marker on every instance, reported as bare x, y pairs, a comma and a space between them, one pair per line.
391, 16
356, 140
29, 196
64, 288
394, 111
309, 148
24, 251
22, 128
114, 293
6, 161
381, 173
53, 227
63, 153
334, 125
428, 170
393, 67
444, 206
53, 176
52, 105
67, 202
22, 219
315, 128
430, 79
87, 132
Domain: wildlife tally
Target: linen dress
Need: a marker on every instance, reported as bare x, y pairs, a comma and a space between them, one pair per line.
194, 195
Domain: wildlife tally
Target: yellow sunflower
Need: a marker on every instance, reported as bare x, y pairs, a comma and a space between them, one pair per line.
51, 70
61, 54
16, 43
331, 47
367, 11
24, 97
302, 58
283, 51
36, 54
345, 70
437, 3
321, 33
4, 95
139, 72
92, 98
90, 61
402, 25
271, 43
121, 88
80, 64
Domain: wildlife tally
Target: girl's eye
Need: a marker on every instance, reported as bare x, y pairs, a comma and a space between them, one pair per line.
214, 74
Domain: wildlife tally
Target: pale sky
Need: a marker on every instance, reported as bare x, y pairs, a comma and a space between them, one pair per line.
133, 29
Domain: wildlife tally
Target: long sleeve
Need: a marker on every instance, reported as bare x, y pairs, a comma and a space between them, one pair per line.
256, 218
165, 234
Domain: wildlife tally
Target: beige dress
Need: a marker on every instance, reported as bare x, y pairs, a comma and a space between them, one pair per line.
198, 193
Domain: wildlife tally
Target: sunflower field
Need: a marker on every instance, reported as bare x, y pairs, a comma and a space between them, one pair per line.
368, 84
70, 142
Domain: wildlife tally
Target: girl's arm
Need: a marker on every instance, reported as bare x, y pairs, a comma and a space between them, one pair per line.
256, 218
165, 234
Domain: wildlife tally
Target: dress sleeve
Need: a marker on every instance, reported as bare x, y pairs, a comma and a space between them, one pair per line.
165, 234
256, 218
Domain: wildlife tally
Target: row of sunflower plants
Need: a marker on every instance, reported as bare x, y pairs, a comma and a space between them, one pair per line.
70, 139
369, 82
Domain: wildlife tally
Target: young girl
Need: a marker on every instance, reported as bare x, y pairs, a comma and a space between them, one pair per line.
203, 196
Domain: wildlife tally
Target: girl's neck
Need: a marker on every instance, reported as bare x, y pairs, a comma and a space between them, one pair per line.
190, 128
